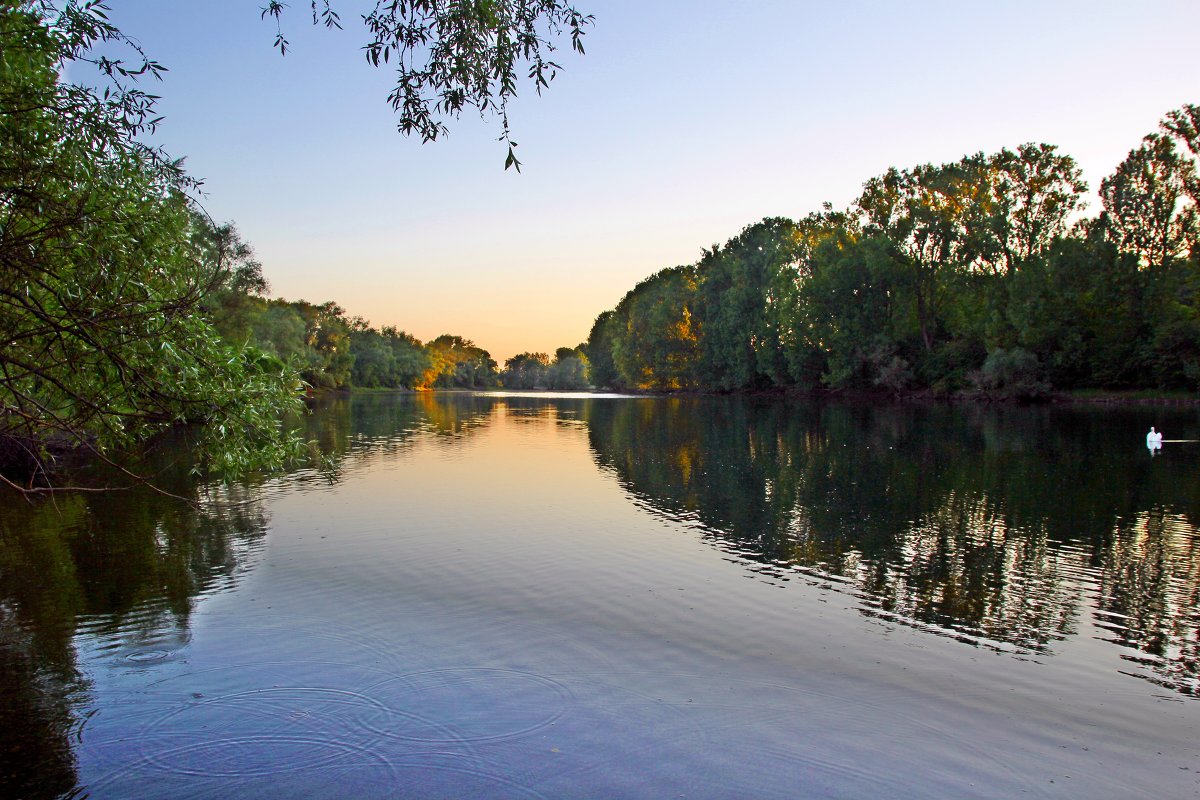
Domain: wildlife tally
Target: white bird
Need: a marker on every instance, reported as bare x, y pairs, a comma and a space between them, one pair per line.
1154, 439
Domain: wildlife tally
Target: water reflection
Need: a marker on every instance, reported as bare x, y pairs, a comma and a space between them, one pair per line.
1148, 600
116, 573
359, 431
1007, 529
999, 527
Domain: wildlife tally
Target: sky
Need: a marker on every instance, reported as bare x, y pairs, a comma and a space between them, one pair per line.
686, 121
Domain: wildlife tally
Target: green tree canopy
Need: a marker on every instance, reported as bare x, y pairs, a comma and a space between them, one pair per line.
104, 267
655, 339
457, 363
739, 346
525, 371
974, 275
569, 370
601, 371
1150, 205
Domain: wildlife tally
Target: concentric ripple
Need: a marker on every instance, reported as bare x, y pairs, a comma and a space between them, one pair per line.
471, 705
264, 731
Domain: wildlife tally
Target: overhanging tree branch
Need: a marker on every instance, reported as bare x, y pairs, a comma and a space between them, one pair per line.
452, 55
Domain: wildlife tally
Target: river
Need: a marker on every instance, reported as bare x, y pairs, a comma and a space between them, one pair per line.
587, 596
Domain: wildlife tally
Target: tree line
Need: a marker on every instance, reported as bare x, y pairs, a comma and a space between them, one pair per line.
126, 313
330, 350
980, 275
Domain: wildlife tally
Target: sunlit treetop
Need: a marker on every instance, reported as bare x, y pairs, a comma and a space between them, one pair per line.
450, 55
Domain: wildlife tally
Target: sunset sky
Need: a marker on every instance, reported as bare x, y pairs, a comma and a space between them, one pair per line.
686, 121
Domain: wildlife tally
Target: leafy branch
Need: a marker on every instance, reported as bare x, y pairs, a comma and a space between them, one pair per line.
452, 56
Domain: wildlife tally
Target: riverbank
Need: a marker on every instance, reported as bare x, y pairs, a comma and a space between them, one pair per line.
1136, 397
1109, 397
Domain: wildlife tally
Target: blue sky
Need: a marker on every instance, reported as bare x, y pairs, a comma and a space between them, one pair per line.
686, 121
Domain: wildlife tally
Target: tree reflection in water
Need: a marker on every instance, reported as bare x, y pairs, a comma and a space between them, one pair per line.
996, 526
122, 571
1150, 575
1004, 528
124, 568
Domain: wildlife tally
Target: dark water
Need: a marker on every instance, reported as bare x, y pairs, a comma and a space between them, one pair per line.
503, 596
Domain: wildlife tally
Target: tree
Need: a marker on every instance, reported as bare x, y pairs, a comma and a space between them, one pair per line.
525, 371
569, 370
233, 300
326, 360
1079, 308
1150, 209
655, 342
374, 363
601, 371
456, 362
789, 302
847, 314
739, 346
1024, 201
409, 359
1033, 195
931, 217
1183, 125
279, 329
450, 56
103, 273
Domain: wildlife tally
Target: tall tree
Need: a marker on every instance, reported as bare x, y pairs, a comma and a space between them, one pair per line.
655, 344
601, 370
409, 357
102, 274
1150, 205
933, 217
459, 363
1079, 307
847, 316
569, 370
1183, 125
233, 300
958, 232
1034, 194
788, 301
328, 359
739, 345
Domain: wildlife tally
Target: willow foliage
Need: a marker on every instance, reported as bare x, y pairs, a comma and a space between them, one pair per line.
102, 272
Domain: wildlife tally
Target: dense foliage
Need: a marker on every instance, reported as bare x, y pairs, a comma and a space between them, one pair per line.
126, 312
568, 371
330, 350
977, 276
103, 266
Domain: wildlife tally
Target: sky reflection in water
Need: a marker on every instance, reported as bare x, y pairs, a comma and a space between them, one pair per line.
507, 596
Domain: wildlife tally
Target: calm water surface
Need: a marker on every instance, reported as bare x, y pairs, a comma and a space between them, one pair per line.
502, 596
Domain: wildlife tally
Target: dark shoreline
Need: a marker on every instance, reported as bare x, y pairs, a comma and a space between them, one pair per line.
1129, 397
